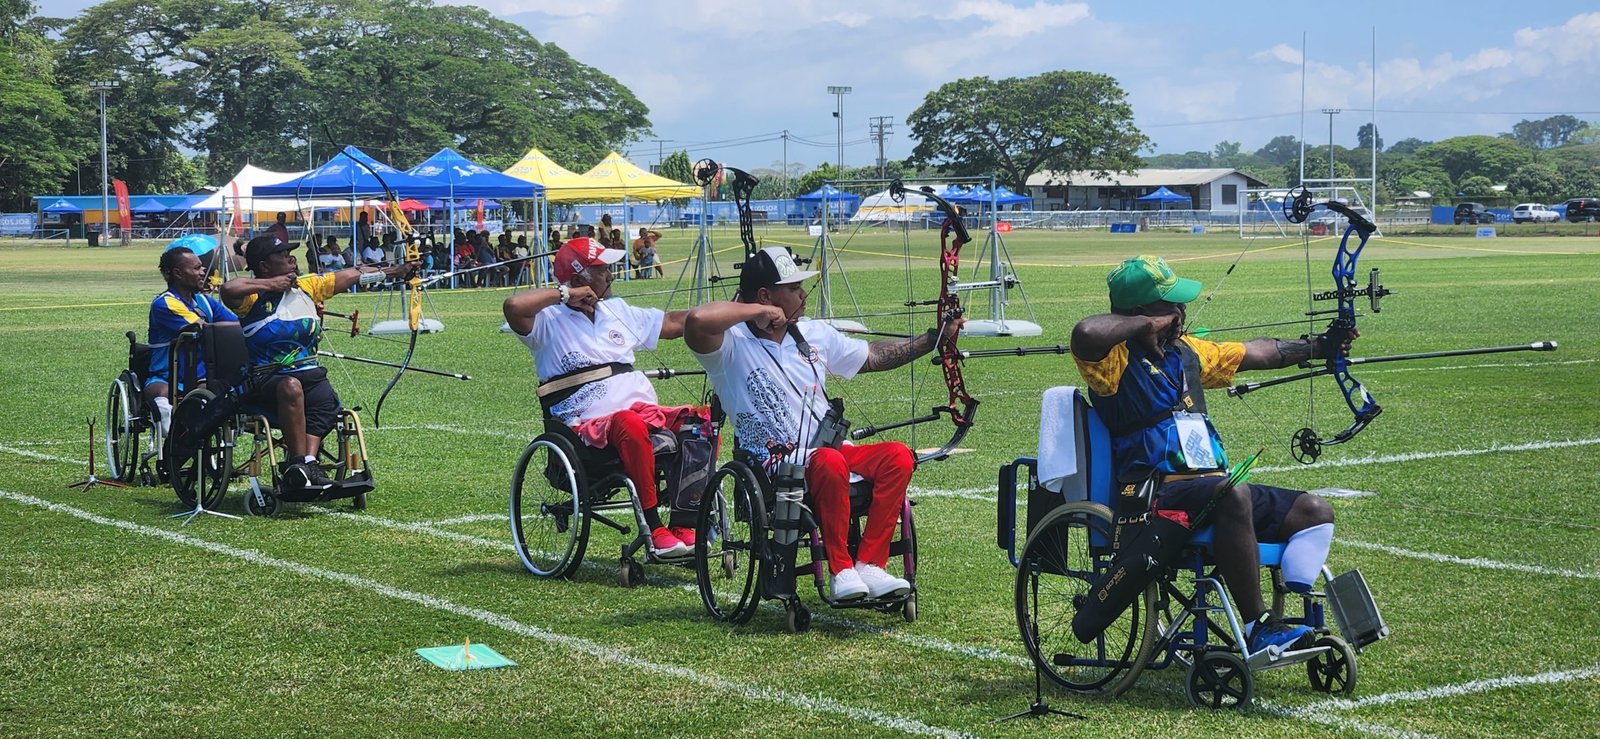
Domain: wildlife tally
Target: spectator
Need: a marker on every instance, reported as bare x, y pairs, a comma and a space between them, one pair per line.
236, 256
363, 229
313, 251
484, 256
644, 254
348, 256
372, 253
281, 228
520, 269
605, 233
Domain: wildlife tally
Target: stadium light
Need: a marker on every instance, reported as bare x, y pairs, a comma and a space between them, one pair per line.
838, 93
104, 87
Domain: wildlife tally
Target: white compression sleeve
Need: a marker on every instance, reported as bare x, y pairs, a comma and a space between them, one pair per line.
164, 411
1304, 556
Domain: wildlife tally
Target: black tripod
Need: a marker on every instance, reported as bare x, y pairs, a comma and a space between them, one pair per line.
1038, 708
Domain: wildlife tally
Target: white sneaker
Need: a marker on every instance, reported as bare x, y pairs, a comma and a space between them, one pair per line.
847, 585
880, 583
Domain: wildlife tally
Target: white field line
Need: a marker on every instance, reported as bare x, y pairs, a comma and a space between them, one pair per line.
594, 649
99, 442
470, 518
41, 455
1479, 562
1450, 691
1415, 456
453, 429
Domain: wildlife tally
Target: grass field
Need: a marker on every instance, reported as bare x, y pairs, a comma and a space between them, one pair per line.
1481, 543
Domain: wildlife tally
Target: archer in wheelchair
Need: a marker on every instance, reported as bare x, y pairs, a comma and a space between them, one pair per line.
608, 444
1157, 497
282, 328
140, 400
791, 473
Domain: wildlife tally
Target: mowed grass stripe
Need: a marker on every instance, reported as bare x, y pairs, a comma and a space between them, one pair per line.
506, 623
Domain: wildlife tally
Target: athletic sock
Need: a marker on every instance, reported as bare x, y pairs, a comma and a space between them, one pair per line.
1304, 556
164, 413
310, 460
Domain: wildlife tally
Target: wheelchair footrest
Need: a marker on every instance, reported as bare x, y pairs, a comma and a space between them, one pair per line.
341, 490
1273, 658
1355, 610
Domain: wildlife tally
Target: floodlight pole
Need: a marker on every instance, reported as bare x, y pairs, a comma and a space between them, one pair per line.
838, 93
1330, 113
104, 87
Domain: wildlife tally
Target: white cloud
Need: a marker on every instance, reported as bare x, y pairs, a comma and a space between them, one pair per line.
1010, 21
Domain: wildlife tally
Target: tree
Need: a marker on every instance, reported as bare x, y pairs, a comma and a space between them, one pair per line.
1408, 146
1476, 186
1315, 169
1488, 156
1280, 150
1365, 136
43, 132
1432, 181
676, 167
1546, 133
1063, 121
1225, 153
1186, 160
1541, 183
814, 179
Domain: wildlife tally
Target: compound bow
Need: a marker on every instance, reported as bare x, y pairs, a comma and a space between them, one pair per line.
961, 406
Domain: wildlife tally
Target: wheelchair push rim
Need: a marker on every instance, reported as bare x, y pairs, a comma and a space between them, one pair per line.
728, 531
1056, 571
548, 524
122, 430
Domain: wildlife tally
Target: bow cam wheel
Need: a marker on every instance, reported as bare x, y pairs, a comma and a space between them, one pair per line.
1306, 446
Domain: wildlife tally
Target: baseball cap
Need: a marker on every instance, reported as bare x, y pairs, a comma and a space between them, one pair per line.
1144, 280
771, 266
264, 246
580, 254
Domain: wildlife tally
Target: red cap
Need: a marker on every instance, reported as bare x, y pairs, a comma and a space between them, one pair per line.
580, 254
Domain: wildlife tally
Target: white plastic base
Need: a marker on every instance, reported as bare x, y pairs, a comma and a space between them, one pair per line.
1001, 328
389, 328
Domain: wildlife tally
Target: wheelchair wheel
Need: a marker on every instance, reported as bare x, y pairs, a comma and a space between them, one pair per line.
122, 428
1054, 575
1219, 680
1335, 670
548, 525
797, 618
260, 501
728, 527
200, 468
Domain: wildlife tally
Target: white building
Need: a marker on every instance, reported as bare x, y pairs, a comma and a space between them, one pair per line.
1216, 189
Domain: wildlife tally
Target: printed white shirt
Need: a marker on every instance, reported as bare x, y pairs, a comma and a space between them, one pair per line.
771, 392
564, 340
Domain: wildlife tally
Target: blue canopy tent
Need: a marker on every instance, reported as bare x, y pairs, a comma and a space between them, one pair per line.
1005, 196
149, 206
61, 206
341, 177
841, 202
1162, 197
467, 179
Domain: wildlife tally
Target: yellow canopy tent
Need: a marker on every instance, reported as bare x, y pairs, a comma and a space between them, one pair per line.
534, 166
615, 178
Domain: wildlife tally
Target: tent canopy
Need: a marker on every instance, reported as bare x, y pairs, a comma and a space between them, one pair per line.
833, 194
341, 177
236, 194
539, 169
615, 178
61, 206
882, 207
1163, 195
469, 179
149, 206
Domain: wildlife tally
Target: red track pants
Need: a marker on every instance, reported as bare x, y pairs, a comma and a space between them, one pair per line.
630, 436
887, 465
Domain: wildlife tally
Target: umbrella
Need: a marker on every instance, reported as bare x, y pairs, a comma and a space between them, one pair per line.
200, 244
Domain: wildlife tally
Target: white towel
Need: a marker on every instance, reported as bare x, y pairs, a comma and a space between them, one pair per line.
1058, 438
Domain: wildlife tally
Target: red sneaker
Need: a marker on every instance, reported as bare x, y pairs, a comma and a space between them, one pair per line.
684, 534
664, 544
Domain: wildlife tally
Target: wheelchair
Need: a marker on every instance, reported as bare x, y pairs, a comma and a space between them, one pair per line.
130, 418
561, 486
744, 555
210, 426
1184, 618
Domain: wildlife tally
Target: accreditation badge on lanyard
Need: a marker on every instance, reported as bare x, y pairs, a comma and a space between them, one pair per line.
1194, 441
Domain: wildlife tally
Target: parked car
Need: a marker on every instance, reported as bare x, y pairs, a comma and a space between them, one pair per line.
1473, 213
1583, 210
1533, 213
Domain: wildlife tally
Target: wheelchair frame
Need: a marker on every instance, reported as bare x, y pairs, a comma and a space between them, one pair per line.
1168, 624
206, 470
129, 416
575, 486
737, 520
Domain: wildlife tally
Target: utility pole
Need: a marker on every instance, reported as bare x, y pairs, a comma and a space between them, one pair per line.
1330, 113
660, 153
838, 113
881, 128
105, 171
786, 162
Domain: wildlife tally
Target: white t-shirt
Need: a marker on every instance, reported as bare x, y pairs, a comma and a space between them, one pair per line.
564, 340
372, 255
765, 405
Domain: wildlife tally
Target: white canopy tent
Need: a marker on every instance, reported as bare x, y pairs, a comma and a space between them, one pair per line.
880, 208
235, 195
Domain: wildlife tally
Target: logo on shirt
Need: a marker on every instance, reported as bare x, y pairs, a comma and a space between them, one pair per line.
811, 355
615, 336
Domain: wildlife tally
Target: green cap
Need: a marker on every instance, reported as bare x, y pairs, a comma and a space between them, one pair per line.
1145, 280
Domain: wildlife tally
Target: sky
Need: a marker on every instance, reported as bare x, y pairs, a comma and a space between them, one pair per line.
725, 78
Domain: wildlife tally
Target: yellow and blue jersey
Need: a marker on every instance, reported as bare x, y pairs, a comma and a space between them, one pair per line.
284, 329
1135, 393
170, 314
